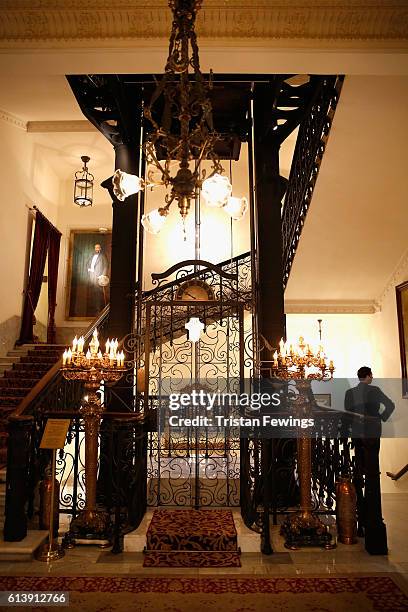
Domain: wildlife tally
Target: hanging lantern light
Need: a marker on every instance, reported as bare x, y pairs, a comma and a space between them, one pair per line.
83, 189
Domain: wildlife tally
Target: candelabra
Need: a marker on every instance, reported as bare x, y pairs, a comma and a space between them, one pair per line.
92, 368
303, 364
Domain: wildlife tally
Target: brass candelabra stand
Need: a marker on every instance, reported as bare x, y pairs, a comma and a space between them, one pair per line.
92, 368
303, 364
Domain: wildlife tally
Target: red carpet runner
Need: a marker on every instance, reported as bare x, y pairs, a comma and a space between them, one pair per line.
192, 538
354, 593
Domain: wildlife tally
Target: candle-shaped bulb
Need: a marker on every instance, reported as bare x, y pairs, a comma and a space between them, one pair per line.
69, 356
94, 343
275, 358
74, 344
107, 346
100, 356
81, 343
122, 359
64, 357
281, 345
88, 356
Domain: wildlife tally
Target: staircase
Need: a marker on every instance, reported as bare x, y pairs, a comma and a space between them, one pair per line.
22, 368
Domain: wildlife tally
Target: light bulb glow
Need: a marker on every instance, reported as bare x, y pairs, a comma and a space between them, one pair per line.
216, 190
153, 221
236, 207
125, 185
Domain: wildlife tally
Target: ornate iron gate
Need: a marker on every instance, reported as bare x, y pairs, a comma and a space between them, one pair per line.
195, 465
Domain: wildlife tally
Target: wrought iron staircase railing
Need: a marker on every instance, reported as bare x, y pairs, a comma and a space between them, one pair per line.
53, 395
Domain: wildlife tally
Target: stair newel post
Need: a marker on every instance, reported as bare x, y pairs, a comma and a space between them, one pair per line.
20, 430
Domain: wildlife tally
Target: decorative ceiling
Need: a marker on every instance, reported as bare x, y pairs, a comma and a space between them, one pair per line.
102, 23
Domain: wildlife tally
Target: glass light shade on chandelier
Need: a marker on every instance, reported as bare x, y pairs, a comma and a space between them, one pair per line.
216, 190
125, 185
154, 220
236, 207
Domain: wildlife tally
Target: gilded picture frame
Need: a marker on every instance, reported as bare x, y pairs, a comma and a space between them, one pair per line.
402, 315
88, 279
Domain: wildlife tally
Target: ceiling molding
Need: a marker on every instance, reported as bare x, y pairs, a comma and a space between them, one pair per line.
399, 274
331, 307
60, 126
13, 120
66, 23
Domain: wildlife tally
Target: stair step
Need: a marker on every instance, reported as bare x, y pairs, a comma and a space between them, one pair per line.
38, 359
24, 550
44, 354
17, 352
44, 346
13, 392
22, 383
31, 367
6, 361
24, 374
9, 402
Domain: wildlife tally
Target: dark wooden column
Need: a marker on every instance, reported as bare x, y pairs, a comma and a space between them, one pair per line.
17, 483
124, 246
375, 530
269, 190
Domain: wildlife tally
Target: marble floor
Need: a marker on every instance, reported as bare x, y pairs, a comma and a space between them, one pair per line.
91, 560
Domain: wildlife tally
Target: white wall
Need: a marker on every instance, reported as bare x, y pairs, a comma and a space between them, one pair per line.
25, 180
349, 339
394, 452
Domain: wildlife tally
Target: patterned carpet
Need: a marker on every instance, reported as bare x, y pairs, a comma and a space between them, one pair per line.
17, 382
353, 593
191, 538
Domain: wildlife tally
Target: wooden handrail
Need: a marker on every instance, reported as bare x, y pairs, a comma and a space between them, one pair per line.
51, 373
398, 475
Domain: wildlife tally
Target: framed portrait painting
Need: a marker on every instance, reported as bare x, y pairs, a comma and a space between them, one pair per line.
88, 279
402, 312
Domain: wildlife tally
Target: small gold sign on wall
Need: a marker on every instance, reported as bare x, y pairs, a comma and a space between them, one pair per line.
55, 433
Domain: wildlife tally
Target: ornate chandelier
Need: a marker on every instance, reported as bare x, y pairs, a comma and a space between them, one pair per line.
185, 133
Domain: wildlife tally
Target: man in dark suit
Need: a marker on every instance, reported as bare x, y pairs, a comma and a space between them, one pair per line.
366, 400
97, 267
375, 407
